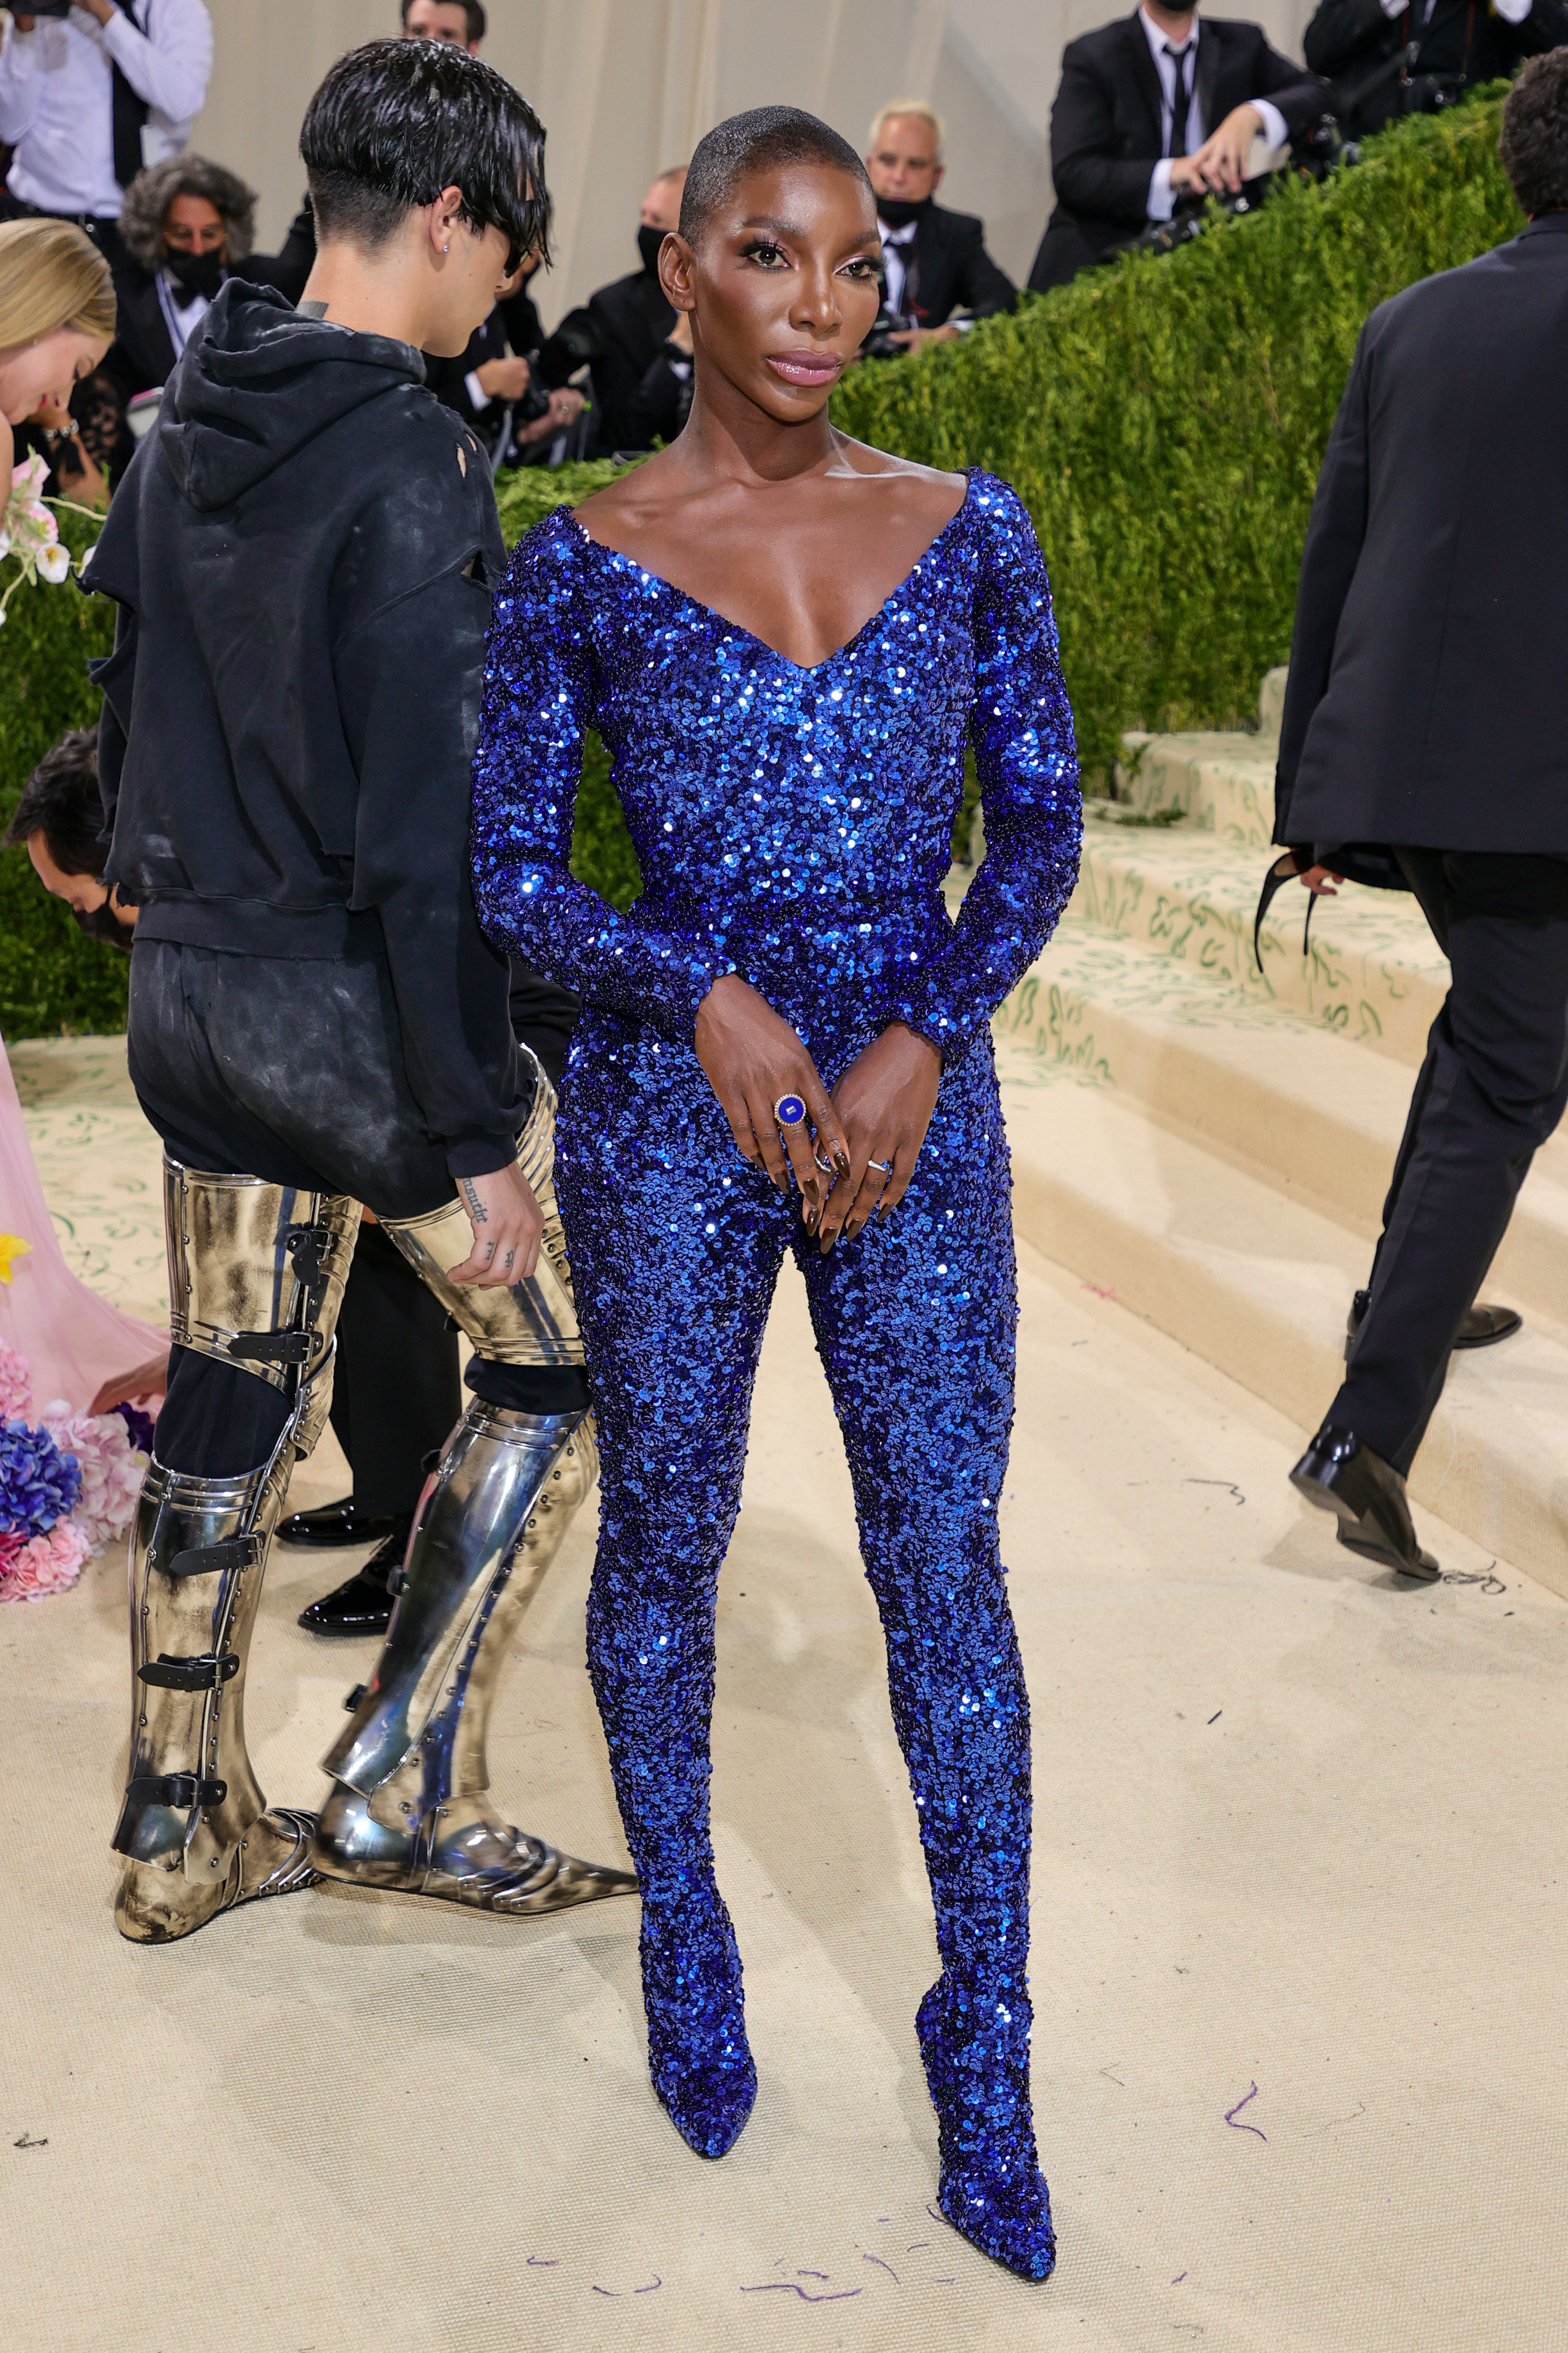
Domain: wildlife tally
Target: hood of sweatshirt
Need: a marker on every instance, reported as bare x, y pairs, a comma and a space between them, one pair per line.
259, 381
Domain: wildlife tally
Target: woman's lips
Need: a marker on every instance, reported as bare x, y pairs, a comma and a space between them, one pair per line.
805, 367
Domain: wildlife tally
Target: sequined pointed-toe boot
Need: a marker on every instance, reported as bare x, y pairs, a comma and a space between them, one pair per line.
975, 2046
698, 2053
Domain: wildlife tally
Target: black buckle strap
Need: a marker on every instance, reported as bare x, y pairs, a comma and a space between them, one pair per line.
210, 1560
204, 1673
176, 1789
272, 1347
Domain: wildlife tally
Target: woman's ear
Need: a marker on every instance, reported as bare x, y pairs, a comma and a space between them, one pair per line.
446, 214
678, 272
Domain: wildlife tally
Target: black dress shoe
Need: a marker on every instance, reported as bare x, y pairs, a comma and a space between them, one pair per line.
362, 1604
333, 1526
1340, 1475
1481, 1328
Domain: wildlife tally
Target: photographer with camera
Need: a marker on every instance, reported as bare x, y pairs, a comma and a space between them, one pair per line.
1388, 58
1158, 110
934, 262
91, 92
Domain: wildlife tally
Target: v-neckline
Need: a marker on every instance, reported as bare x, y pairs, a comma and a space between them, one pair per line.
802, 669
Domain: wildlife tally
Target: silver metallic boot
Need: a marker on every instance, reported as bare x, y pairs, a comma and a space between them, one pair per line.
410, 1807
256, 1276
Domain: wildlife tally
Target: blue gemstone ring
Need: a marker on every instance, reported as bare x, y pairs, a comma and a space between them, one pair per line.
789, 1111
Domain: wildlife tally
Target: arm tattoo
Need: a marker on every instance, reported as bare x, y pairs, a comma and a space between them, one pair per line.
471, 1201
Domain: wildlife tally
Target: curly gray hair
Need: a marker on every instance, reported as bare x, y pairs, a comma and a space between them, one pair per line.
150, 192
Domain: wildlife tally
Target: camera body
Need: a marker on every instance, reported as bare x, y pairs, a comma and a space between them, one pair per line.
1429, 93
47, 8
879, 344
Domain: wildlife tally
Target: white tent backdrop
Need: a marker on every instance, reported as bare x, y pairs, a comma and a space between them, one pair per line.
628, 86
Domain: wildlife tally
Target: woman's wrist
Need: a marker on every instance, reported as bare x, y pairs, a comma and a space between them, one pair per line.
919, 1036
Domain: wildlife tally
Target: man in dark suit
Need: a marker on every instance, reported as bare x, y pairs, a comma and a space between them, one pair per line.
1427, 722
1386, 58
638, 352
1155, 108
935, 261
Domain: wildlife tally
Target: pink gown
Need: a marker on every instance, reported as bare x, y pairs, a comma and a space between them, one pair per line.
73, 1340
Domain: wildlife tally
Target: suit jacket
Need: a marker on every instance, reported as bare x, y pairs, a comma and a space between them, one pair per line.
952, 271
620, 332
1105, 127
142, 354
1428, 699
1359, 48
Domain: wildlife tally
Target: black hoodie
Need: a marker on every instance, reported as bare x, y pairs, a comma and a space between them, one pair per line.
303, 553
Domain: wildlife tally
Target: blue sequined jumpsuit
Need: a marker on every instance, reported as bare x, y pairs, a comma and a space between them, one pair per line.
793, 825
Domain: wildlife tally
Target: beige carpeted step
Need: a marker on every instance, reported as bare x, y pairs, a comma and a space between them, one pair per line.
1308, 1111
1221, 782
1258, 1282
1373, 971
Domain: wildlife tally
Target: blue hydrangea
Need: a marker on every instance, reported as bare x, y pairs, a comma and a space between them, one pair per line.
38, 1484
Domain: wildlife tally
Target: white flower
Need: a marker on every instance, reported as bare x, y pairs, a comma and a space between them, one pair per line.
5, 545
87, 556
54, 564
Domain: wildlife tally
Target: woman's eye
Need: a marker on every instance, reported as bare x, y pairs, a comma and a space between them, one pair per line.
765, 254
860, 269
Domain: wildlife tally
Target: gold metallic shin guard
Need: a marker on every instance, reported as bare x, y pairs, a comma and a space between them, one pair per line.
410, 1807
256, 1277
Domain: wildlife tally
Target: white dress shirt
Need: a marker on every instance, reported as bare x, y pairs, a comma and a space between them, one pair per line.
57, 101
1512, 12
1162, 195
897, 252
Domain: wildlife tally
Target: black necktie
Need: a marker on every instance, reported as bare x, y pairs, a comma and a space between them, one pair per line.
1180, 101
129, 115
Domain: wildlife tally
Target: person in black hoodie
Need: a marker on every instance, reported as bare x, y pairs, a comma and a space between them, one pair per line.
303, 552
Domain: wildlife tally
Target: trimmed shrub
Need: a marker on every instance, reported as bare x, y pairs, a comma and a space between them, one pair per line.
1163, 417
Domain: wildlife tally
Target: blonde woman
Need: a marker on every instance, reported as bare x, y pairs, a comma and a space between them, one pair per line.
56, 320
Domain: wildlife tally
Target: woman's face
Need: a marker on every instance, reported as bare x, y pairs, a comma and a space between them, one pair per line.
782, 286
193, 225
43, 375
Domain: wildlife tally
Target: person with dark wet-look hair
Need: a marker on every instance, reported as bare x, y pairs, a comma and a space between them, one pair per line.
303, 553
787, 640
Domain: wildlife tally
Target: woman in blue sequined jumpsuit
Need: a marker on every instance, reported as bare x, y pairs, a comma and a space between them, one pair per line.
793, 825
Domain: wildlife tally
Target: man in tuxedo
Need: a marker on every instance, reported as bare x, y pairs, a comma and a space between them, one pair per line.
935, 261
637, 350
1155, 108
1427, 721
1386, 58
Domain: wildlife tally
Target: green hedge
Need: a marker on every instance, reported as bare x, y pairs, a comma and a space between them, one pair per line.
1164, 418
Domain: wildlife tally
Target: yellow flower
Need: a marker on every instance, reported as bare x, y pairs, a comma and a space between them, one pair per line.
12, 1246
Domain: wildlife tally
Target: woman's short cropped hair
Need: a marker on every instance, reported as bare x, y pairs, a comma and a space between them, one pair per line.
396, 121
760, 141
60, 800
52, 276
1534, 141
150, 192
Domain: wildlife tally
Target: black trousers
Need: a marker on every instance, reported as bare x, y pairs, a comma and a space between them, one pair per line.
395, 1389
1492, 1090
293, 1071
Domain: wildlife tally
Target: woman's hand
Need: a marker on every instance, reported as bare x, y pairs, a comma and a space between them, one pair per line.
885, 1098
148, 1380
507, 1224
752, 1058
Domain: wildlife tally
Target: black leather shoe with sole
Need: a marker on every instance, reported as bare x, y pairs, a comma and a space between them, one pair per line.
1483, 1327
331, 1527
1339, 1474
362, 1604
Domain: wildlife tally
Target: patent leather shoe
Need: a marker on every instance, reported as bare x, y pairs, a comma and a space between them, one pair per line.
1340, 1475
1483, 1327
331, 1527
361, 1604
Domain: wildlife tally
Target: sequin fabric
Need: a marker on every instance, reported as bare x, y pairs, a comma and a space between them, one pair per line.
793, 825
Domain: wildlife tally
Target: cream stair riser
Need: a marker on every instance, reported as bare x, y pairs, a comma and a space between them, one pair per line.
1258, 1285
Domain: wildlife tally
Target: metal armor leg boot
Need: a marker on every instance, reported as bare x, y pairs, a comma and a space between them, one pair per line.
410, 1809
256, 1272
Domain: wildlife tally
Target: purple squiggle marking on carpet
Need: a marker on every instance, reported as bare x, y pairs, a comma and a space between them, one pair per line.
1231, 2114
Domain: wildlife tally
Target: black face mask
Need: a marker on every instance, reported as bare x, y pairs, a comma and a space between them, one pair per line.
648, 243
102, 923
195, 273
899, 211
